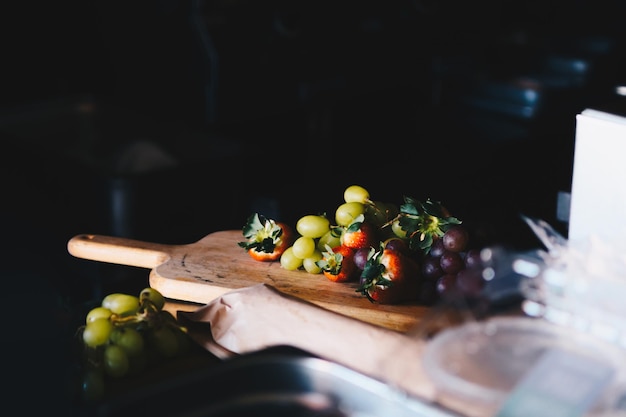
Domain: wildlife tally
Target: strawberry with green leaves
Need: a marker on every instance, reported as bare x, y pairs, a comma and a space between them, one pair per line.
422, 223
266, 239
390, 277
337, 264
360, 234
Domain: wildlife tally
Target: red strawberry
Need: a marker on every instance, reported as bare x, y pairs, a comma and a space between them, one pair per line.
390, 277
360, 234
337, 264
267, 239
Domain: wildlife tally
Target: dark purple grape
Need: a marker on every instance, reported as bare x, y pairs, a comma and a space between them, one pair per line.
436, 249
431, 268
446, 285
451, 262
472, 259
397, 244
428, 293
470, 282
456, 238
360, 257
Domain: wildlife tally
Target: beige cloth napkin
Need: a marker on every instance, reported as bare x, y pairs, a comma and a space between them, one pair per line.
253, 318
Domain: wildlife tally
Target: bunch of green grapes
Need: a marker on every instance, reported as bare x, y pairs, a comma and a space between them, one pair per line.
317, 232
125, 334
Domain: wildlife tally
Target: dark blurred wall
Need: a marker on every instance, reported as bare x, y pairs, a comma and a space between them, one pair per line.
265, 55
318, 80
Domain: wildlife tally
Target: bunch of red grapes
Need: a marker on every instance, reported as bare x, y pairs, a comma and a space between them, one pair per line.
451, 269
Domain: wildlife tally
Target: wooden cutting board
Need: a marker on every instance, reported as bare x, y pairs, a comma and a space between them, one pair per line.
202, 271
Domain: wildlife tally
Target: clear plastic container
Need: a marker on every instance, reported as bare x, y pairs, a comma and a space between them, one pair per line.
476, 365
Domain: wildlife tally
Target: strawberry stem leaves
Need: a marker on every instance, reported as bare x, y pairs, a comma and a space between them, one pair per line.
262, 233
355, 225
423, 222
372, 274
331, 261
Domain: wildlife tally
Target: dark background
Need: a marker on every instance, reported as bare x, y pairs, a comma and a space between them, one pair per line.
195, 111
167, 120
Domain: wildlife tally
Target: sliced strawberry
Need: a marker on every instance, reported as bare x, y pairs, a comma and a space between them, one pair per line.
360, 234
338, 265
390, 277
266, 239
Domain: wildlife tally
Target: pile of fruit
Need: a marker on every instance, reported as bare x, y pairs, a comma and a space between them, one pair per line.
416, 251
126, 334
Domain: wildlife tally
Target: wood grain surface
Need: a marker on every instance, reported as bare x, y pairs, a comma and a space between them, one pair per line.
202, 271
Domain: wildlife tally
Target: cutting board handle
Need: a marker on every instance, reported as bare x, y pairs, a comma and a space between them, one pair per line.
119, 250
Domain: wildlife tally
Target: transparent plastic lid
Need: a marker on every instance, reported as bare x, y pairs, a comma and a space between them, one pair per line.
480, 363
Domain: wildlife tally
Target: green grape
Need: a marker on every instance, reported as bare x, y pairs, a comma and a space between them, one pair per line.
136, 364
184, 342
313, 226
168, 319
97, 332
121, 304
289, 261
356, 193
98, 313
154, 296
310, 263
303, 247
92, 385
128, 339
116, 363
347, 212
164, 341
398, 231
331, 238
